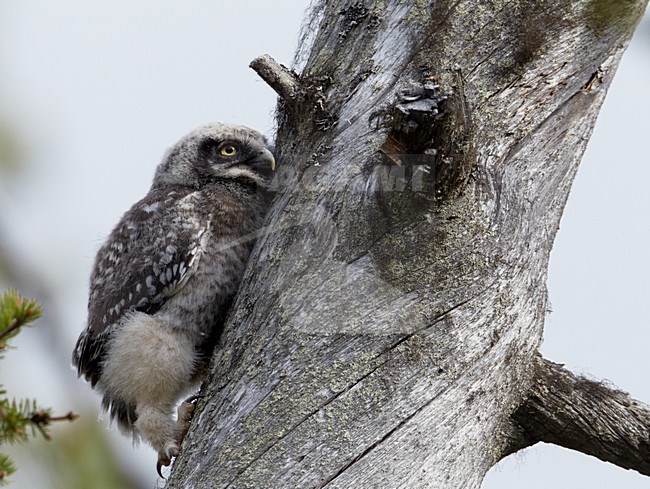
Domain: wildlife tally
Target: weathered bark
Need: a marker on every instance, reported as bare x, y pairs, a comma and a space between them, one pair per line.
386, 333
584, 415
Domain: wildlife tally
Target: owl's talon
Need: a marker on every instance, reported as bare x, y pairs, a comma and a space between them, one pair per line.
165, 456
162, 462
159, 466
193, 398
184, 417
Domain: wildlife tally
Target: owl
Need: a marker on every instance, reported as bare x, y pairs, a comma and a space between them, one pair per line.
165, 277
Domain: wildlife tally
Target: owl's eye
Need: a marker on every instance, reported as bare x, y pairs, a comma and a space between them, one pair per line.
228, 150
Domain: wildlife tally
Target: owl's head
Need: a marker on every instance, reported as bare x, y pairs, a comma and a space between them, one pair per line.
217, 152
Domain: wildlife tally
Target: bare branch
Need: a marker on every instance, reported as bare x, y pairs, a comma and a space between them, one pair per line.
278, 76
585, 415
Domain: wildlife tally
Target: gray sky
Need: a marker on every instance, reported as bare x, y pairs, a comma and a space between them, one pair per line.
97, 92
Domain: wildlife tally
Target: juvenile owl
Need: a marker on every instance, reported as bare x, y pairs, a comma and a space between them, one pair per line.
164, 279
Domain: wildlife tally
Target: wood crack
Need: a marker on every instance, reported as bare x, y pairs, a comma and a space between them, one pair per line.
352, 385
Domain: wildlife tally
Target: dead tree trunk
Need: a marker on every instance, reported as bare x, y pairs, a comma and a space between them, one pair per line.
386, 333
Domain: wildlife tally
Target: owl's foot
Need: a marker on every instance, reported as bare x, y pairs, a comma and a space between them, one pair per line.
185, 412
172, 447
165, 456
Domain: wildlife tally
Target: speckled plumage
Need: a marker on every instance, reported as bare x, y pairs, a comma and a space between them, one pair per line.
163, 281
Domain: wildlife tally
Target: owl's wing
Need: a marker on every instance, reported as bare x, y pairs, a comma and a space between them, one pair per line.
148, 257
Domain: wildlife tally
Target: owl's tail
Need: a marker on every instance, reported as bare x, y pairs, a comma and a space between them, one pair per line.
122, 413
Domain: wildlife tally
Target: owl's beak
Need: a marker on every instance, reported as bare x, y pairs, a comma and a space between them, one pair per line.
265, 157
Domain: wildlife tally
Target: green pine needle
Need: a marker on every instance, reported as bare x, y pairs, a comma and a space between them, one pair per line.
15, 312
19, 419
7, 468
